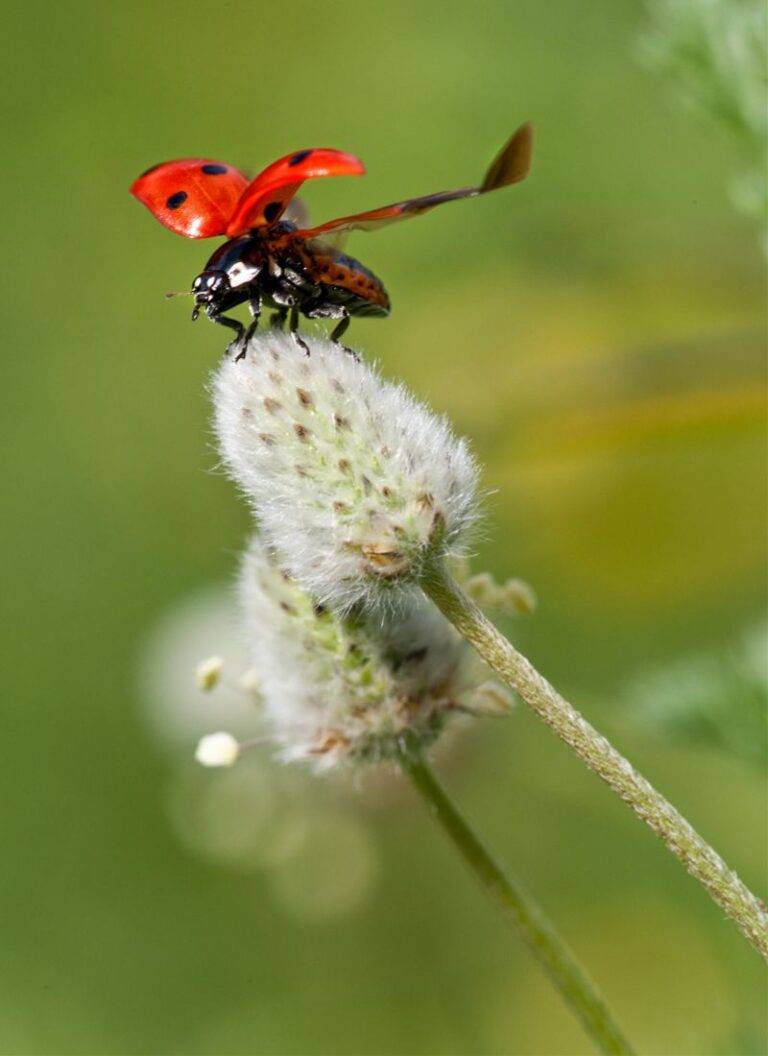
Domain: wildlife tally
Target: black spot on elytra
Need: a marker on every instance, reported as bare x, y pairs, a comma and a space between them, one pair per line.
176, 199
271, 211
299, 157
214, 169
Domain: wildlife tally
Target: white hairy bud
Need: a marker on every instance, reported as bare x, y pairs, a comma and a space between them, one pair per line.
338, 689
354, 484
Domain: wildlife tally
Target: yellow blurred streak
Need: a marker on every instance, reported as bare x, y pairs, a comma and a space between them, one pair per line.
648, 421
619, 428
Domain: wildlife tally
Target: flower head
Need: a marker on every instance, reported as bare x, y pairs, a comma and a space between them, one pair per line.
353, 483
340, 689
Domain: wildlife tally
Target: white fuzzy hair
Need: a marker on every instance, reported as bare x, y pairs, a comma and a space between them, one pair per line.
354, 484
346, 690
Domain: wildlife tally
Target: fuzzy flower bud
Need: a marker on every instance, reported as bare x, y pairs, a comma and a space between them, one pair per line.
514, 595
354, 484
338, 689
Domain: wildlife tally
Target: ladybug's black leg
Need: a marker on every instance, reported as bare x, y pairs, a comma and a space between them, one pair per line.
233, 324
337, 332
255, 309
277, 319
293, 326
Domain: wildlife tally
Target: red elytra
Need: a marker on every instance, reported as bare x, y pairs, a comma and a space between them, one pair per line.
201, 198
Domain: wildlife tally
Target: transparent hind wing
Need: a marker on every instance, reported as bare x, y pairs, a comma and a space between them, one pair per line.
510, 166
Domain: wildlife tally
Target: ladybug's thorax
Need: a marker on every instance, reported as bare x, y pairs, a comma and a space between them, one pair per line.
235, 264
241, 259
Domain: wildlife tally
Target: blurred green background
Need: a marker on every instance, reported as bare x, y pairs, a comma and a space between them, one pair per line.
598, 334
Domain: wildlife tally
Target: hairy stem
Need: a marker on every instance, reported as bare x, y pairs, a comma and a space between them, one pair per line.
577, 989
592, 748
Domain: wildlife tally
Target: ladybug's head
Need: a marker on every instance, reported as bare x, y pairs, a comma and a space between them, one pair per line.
210, 286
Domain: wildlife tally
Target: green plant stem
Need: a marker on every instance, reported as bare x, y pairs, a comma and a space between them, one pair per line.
592, 748
577, 989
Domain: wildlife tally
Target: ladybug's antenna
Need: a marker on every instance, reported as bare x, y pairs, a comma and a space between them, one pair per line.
180, 293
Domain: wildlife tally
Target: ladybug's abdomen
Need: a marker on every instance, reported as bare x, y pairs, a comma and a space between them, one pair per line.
348, 281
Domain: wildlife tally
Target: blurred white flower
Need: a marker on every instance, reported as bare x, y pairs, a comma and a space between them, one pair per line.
257, 818
175, 710
718, 699
716, 52
313, 884
354, 483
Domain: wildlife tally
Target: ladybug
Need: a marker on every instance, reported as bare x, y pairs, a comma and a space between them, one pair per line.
271, 257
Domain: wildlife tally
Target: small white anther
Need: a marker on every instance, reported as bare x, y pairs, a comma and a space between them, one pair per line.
217, 749
519, 596
208, 673
491, 699
249, 681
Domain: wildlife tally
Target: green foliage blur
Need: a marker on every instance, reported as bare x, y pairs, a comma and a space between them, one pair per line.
596, 331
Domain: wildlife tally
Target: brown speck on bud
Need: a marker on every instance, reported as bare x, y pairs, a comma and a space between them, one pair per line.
386, 491
246, 412
344, 465
367, 486
438, 524
331, 740
305, 398
425, 501
275, 378
287, 608
406, 707
267, 438
340, 507
340, 421
301, 431
336, 384
384, 560
274, 353
271, 406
